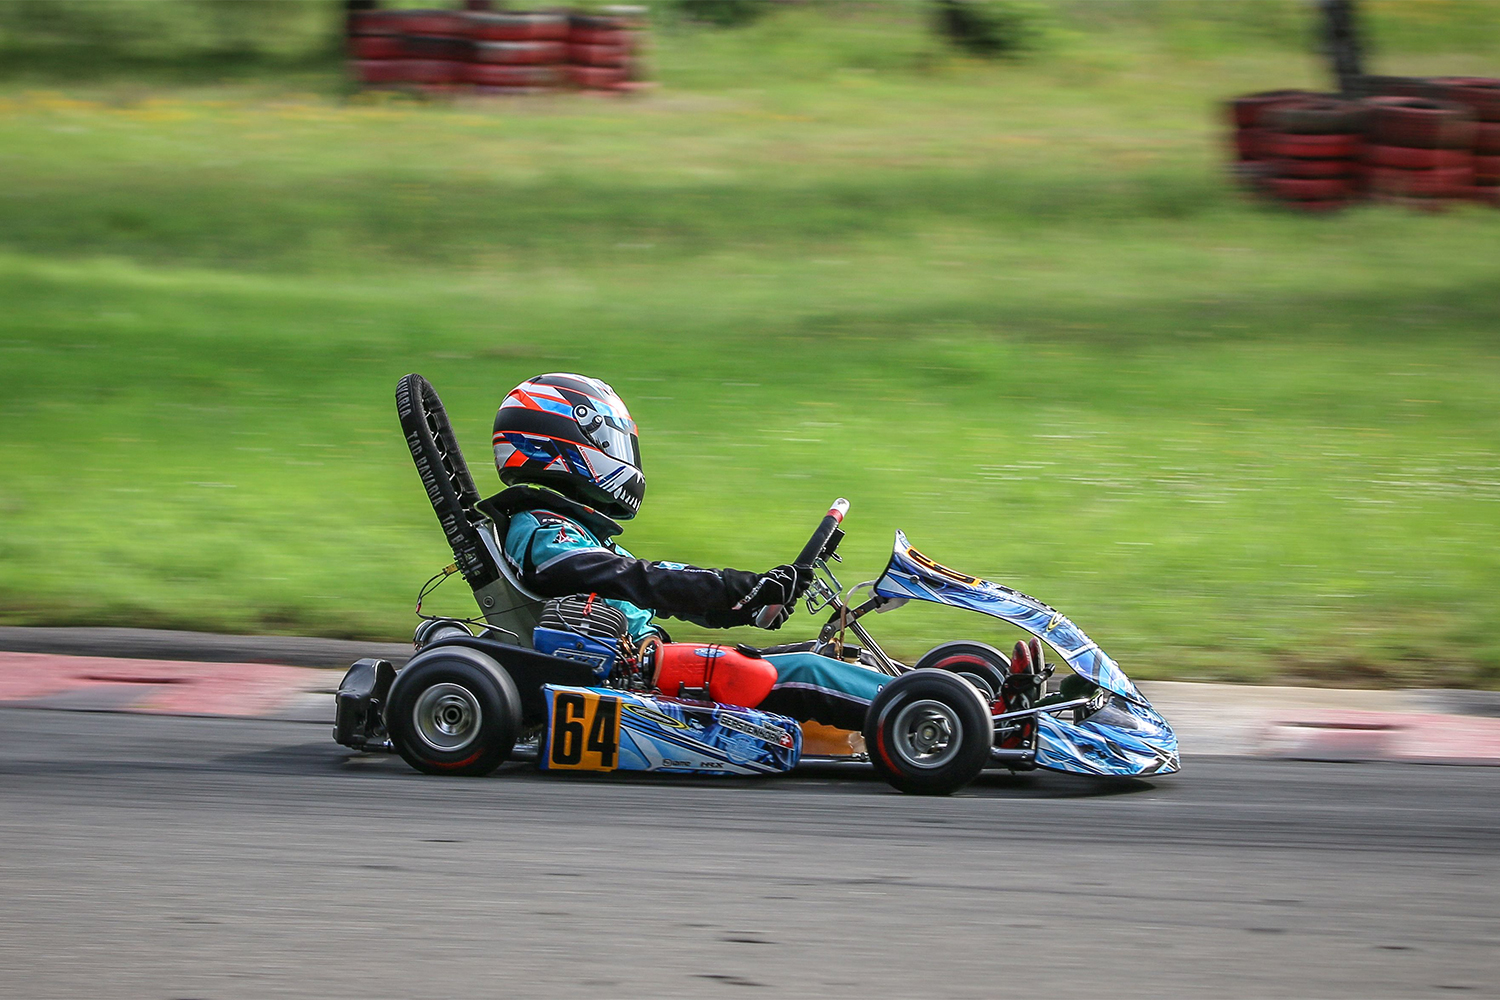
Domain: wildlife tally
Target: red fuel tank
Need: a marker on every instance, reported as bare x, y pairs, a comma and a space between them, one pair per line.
731, 677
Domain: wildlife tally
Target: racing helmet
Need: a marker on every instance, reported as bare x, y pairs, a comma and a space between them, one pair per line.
571, 433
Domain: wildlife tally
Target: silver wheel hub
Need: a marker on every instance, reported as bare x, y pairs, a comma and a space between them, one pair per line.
927, 734
447, 717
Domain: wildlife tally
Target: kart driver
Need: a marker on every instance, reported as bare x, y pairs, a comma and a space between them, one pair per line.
571, 436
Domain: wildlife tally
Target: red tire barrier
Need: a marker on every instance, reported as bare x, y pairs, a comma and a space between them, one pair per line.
1246, 111
1478, 93
1487, 170
1452, 182
376, 47
598, 77
511, 76
493, 51
604, 36
1421, 123
1487, 138
1396, 86
1317, 116
440, 47
407, 22
1311, 147
1314, 168
598, 22
448, 23
1310, 189
599, 55
1250, 143
519, 53
1411, 158
516, 27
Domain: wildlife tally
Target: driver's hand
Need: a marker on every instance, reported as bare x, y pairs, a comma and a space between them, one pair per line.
780, 586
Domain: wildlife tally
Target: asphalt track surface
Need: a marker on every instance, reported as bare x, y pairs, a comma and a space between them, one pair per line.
167, 858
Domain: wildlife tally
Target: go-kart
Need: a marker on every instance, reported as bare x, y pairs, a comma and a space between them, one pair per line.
534, 680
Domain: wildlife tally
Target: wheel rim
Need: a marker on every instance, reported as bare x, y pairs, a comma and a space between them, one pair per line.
927, 734
447, 717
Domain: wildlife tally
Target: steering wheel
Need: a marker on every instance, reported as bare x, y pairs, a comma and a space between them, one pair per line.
810, 553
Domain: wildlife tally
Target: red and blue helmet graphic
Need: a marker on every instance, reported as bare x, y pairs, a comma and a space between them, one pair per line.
572, 434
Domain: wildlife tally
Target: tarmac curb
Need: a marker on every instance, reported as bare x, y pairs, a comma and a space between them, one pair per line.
199, 647
274, 677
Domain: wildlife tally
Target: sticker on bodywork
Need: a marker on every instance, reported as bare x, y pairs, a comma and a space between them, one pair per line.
605, 729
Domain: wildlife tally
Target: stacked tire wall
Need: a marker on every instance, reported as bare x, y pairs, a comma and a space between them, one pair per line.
604, 53
427, 48
517, 53
1482, 97
1412, 141
496, 52
1421, 150
1315, 146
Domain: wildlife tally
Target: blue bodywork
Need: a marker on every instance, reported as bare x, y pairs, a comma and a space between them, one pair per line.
677, 736
1125, 737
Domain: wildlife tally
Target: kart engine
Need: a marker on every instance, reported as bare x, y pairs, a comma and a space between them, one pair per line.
583, 628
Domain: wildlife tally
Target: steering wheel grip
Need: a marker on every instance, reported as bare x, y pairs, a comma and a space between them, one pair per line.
809, 554
814, 546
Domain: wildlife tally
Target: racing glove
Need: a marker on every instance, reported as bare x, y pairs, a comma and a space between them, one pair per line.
776, 588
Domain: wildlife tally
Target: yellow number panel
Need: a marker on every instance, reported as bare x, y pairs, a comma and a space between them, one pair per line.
583, 731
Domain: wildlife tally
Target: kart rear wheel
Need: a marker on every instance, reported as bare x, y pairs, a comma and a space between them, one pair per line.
983, 662
453, 710
929, 732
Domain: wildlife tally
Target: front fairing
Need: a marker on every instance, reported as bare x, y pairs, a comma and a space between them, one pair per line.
1126, 737
1122, 739
912, 575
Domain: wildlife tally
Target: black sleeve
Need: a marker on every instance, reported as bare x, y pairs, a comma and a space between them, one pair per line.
704, 596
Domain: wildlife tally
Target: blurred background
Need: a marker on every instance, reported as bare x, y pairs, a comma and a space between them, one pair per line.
998, 287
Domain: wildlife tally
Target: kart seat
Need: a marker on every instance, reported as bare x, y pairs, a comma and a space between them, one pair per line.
506, 603
476, 536
520, 608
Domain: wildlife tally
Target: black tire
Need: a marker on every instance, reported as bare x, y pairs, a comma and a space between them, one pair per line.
987, 662
1479, 94
1420, 123
1318, 116
1247, 111
445, 475
513, 26
929, 732
453, 710
1395, 86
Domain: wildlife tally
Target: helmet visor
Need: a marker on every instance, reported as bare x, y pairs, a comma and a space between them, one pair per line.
611, 435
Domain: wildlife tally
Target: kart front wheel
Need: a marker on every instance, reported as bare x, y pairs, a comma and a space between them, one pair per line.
978, 661
453, 710
929, 732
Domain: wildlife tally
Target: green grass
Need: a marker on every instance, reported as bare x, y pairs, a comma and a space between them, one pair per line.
1014, 310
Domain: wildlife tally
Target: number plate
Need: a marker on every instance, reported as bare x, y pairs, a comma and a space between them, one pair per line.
583, 731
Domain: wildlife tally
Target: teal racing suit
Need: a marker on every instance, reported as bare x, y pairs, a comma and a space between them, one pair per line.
556, 555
